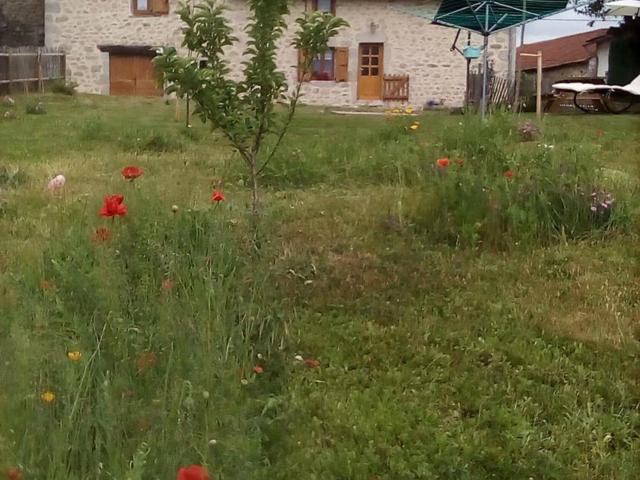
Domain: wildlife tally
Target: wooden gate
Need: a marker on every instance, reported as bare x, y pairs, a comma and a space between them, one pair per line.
396, 87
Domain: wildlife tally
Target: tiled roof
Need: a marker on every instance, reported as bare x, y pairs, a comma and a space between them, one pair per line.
561, 51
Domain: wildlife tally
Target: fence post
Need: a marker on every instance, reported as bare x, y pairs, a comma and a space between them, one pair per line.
63, 67
39, 66
539, 87
9, 70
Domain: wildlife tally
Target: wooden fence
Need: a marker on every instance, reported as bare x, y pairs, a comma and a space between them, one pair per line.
396, 87
28, 68
500, 90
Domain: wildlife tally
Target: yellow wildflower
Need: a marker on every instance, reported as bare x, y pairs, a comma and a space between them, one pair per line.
48, 396
414, 126
74, 356
408, 110
395, 110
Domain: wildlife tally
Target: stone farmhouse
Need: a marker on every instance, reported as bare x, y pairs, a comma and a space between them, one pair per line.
385, 56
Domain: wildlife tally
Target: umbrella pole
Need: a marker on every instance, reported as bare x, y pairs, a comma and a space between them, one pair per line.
483, 103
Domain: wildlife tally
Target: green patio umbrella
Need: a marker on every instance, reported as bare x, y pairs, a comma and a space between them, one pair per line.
486, 17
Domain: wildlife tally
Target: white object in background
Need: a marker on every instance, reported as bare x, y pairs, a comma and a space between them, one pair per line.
56, 183
623, 8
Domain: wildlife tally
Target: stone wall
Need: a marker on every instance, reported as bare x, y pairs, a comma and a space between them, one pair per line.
21, 23
550, 76
412, 46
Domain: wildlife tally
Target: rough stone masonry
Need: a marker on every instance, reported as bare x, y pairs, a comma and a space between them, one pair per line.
21, 23
412, 46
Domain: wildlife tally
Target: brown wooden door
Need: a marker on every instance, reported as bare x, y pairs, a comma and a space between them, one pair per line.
370, 71
133, 75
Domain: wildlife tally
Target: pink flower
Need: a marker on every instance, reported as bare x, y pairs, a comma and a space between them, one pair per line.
56, 183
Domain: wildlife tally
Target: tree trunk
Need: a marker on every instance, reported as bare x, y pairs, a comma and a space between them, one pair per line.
255, 206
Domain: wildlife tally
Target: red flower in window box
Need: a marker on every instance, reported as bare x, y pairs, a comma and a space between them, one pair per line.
131, 173
194, 472
113, 206
217, 196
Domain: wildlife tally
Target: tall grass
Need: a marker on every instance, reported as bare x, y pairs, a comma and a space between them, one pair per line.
438, 350
169, 318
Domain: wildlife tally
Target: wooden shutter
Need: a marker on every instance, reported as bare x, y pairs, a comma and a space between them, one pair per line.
341, 67
160, 7
301, 59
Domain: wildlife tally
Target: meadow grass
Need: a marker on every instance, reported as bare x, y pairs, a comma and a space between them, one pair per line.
446, 350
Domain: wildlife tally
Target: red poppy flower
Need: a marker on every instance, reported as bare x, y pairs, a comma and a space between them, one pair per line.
194, 472
131, 173
113, 206
217, 196
312, 363
442, 162
509, 174
258, 369
101, 234
167, 284
14, 473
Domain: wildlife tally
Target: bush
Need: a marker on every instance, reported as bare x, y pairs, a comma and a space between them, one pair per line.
7, 101
497, 197
36, 108
528, 131
64, 88
151, 141
12, 177
93, 129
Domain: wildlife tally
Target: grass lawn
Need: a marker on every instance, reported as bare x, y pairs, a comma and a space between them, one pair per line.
437, 346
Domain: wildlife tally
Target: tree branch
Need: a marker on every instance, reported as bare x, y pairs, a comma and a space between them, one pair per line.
285, 127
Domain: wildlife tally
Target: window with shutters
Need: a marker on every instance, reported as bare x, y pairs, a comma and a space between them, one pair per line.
325, 5
150, 7
333, 65
322, 67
